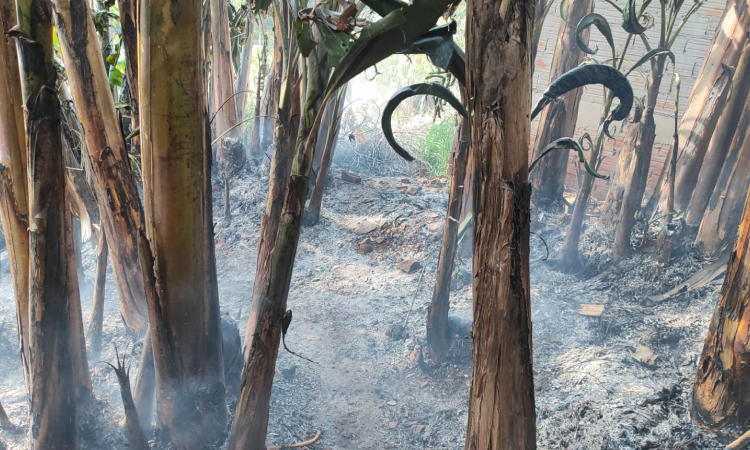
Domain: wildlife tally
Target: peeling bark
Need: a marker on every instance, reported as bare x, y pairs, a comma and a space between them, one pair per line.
501, 404
97, 308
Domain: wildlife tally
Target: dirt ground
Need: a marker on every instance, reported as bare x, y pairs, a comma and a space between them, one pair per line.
367, 389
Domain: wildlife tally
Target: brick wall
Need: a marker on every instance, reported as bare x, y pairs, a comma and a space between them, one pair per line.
689, 49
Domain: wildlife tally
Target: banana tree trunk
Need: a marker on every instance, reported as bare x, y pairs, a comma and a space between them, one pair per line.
243, 75
13, 181
722, 140
501, 402
53, 385
635, 185
437, 314
129, 27
184, 309
700, 117
718, 227
283, 152
224, 102
559, 119
721, 393
251, 418
114, 186
312, 216
97, 309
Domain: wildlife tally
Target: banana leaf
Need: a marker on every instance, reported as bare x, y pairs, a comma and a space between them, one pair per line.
601, 23
581, 76
649, 56
570, 144
631, 20
435, 89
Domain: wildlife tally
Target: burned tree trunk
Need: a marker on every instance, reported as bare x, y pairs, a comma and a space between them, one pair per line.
263, 340
437, 314
283, 153
136, 436
53, 394
312, 215
720, 144
636, 185
145, 384
721, 394
13, 181
700, 115
721, 219
224, 100
184, 308
97, 308
114, 186
559, 119
129, 28
501, 404
618, 183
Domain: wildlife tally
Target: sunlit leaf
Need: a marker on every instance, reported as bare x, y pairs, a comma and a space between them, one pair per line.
434, 89
115, 77
601, 23
581, 76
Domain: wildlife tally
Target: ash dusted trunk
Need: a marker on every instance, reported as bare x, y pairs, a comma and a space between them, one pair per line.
312, 215
618, 183
262, 93
721, 394
251, 418
559, 119
501, 403
224, 101
53, 395
636, 183
13, 181
184, 308
243, 75
722, 140
437, 314
700, 111
721, 219
114, 186
145, 384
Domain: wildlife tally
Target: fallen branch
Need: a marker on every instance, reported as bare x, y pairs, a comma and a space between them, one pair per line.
297, 445
740, 443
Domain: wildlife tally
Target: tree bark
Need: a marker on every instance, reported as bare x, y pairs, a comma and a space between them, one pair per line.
437, 314
625, 161
243, 75
501, 404
224, 102
114, 186
718, 227
312, 215
53, 385
77, 337
636, 185
251, 418
559, 119
283, 153
721, 394
97, 308
13, 181
720, 144
145, 384
129, 27
184, 308
700, 117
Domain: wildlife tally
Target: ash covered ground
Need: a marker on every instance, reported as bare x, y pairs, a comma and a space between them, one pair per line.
368, 389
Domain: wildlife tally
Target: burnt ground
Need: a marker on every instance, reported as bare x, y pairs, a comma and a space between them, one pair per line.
367, 389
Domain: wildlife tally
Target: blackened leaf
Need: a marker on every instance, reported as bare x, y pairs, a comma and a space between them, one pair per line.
434, 89
570, 144
630, 16
587, 74
261, 5
383, 7
649, 56
601, 23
